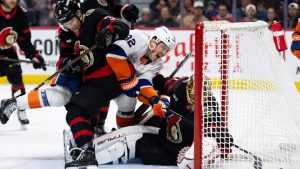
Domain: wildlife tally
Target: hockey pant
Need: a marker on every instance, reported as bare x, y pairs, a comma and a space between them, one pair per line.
58, 95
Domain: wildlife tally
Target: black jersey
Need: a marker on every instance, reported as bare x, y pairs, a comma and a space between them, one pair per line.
68, 38
14, 28
94, 63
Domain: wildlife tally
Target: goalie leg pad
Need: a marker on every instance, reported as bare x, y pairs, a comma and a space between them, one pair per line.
120, 152
119, 145
109, 139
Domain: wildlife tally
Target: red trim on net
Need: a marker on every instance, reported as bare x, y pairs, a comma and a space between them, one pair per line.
83, 132
78, 120
198, 127
224, 77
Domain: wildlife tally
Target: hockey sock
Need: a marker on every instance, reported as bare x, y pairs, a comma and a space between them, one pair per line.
125, 119
80, 125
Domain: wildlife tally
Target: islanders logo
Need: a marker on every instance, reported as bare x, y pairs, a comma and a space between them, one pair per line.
7, 38
88, 59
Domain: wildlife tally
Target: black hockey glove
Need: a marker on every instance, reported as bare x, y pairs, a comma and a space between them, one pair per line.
130, 12
104, 38
159, 82
74, 69
38, 61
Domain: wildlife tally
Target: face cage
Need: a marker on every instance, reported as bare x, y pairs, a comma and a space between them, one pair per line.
190, 92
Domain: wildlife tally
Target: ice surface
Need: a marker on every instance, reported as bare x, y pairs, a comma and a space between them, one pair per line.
41, 145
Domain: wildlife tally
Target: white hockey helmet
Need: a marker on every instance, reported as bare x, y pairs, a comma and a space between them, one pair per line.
163, 34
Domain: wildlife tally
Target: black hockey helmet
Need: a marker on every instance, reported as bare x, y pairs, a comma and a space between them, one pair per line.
65, 10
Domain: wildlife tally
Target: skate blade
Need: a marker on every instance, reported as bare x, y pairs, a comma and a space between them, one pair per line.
88, 167
24, 126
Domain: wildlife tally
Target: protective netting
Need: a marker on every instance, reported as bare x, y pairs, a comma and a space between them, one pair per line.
253, 103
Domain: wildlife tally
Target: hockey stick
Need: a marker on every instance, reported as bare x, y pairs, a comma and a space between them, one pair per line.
181, 63
142, 109
18, 60
257, 161
65, 67
172, 111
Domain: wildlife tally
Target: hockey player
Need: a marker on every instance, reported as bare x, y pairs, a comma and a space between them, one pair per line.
175, 134
65, 84
135, 61
14, 28
295, 47
99, 83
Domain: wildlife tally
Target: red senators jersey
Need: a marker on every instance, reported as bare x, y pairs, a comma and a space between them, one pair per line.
14, 28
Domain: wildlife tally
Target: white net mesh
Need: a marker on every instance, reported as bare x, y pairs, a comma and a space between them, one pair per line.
256, 105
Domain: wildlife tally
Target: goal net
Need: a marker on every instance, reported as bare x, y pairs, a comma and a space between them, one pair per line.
245, 99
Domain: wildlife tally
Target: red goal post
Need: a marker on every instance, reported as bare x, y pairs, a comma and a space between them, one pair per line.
259, 107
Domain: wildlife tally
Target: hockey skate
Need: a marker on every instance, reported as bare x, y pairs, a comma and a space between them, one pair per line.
85, 160
23, 119
8, 106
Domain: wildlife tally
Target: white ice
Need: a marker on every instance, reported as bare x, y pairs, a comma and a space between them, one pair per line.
41, 145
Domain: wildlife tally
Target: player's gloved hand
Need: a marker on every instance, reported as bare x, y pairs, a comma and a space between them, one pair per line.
130, 87
104, 38
159, 82
159, 106
71, 70
130, 12
38, 61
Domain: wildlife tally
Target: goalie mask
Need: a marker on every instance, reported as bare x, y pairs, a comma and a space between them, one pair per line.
190, 89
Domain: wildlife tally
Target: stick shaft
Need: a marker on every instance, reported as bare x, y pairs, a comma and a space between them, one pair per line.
65, 67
